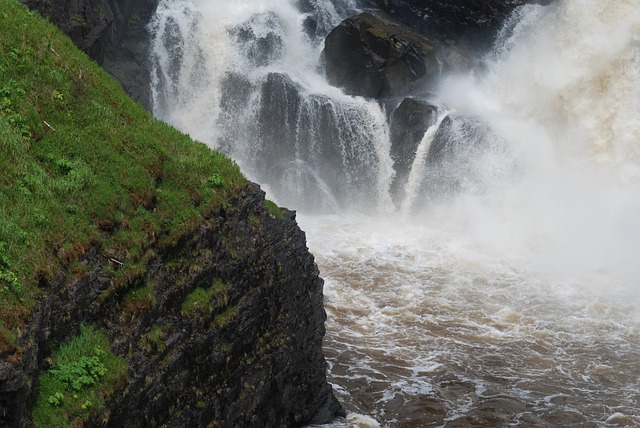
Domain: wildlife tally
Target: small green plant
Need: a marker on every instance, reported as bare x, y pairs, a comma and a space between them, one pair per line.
9, 91
198, 302
139, 300
8, 279
14, 54
56, 399
57, 95
220, 291
216, 180
221, 320
85, 373
254, 220
201, 301
153, 341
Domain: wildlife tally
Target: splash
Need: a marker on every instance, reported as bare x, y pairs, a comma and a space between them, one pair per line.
560, 91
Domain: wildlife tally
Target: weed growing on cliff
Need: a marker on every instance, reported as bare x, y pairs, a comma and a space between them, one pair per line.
8, 279
85, 373
139, 300
197, 303
273, 209
216, 180
84, 167
220, 291
202, 301
221, 320
153, 341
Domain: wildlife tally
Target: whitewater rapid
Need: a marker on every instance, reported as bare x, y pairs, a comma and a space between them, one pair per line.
512, 301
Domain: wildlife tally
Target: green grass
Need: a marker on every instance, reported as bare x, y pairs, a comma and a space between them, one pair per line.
139, 300
85, 373
273, 209
82, 166
153, 341
200, 302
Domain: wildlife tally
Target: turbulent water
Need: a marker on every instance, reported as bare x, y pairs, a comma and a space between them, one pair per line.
509, 299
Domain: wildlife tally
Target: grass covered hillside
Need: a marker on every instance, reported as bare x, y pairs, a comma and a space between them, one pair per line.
82, 166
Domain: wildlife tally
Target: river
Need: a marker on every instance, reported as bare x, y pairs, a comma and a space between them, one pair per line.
512, 301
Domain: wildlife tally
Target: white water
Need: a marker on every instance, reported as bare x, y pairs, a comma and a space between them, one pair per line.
511, 302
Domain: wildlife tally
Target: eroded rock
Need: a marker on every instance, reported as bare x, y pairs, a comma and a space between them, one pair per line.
374, 56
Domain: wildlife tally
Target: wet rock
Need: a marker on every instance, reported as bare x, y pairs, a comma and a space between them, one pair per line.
260, 39
470, 22
126, 50
374, 56
408, 124
112, 32
303, 143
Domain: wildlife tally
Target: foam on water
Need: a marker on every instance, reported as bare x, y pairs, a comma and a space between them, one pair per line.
426, 328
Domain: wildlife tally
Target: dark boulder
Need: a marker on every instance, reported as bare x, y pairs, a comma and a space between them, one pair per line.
407, 126
470, 22
374, 56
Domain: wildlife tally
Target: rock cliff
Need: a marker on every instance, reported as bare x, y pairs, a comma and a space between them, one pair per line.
253, 358
117, 222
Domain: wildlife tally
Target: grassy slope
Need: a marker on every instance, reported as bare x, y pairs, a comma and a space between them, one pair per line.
81, 165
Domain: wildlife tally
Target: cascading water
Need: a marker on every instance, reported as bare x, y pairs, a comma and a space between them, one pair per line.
243, 78
502, 289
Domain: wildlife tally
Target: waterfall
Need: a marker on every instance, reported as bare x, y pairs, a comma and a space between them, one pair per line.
560, 90
495, 281
244, 80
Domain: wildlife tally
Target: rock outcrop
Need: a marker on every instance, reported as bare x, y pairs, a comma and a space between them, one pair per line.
375, 56
136, 222
255, 359
470, 22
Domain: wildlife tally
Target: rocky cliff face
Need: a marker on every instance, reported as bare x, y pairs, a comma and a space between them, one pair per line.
112, 32
250, 357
